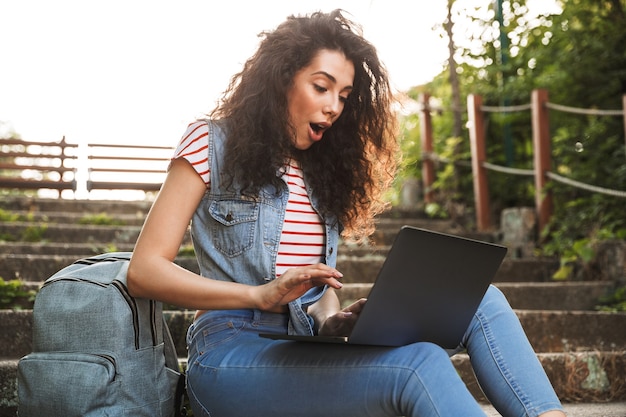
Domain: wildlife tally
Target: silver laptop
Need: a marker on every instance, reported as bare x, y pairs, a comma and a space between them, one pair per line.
427, 290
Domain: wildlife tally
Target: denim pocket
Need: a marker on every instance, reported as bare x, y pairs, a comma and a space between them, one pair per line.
67, 384
233, 225
220, 333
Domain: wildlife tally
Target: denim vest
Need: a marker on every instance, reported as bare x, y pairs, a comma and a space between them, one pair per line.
236, 237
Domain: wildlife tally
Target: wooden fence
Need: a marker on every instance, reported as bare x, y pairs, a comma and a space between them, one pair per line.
126, 167
539, 107
37, 165
26, 165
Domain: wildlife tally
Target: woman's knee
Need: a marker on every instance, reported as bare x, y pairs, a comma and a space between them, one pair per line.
494, 299
428, 356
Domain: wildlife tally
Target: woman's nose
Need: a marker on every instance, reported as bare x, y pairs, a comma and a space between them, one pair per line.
332, 107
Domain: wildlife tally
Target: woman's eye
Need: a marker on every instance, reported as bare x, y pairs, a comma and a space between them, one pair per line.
319, 88
343, 99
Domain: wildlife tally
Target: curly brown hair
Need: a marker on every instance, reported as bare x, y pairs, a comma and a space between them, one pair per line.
348, 170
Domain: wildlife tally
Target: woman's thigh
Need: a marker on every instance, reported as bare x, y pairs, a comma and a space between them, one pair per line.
234, 372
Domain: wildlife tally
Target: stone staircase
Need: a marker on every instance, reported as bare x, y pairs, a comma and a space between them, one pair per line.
582, 350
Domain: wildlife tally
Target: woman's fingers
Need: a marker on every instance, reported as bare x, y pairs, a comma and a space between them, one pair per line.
318, 274
297, 281
355, 307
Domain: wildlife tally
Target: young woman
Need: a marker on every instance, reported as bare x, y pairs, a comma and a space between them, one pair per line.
298, 152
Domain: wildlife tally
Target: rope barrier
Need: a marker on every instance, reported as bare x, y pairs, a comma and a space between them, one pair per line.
507, 109
592, 188
437, 158
528, 173
507, 170
591, 112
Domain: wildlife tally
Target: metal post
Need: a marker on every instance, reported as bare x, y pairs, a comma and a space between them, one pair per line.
542, 156
426, 137
477, 145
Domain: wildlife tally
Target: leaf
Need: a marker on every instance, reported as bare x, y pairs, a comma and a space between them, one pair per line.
563, 273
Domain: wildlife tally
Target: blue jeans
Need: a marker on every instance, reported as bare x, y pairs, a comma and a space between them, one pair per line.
233, 372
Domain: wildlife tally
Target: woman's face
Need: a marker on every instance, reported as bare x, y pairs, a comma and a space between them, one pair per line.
318, 95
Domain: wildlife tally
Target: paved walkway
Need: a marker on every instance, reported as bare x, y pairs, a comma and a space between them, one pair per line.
581, 410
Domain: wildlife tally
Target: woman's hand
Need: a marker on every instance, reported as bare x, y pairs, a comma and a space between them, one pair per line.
294, 283
341, 324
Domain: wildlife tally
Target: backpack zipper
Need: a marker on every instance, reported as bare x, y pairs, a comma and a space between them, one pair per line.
133, 308
91, 261
153, 321
107, 357
72, 279
123, 291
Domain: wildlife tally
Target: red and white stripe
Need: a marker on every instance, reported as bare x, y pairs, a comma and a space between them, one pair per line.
302, 239
194, 147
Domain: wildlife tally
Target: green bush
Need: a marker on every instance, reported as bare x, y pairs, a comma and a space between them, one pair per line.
13, 295
101, 219
615, 302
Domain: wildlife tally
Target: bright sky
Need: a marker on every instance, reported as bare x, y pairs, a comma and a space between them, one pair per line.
138, 71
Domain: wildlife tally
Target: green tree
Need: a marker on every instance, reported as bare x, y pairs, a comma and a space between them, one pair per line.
506, 51
584, 65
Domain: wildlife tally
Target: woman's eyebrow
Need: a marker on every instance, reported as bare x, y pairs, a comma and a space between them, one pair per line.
331, 78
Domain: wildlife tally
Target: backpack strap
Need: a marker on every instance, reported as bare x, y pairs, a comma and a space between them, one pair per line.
171, 361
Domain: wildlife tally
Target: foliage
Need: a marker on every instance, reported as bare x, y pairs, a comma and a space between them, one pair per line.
9, 216
186, 250
31, 233
100, 219
411, 150
34, 233
614, 302
13, 295
578, 57
7, 131
453, 183
590, 72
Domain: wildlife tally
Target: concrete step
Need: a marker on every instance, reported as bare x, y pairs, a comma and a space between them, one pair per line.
49, 205
364, 268
56, 220
388, 227
38, 268
589, 376
67, 228
74, 249
68, 233
577, 409
548, 331
120, 219
356, 269
577, 296
523, 295
57, 248
588, 383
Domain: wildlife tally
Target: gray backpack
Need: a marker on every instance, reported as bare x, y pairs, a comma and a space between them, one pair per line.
97, 351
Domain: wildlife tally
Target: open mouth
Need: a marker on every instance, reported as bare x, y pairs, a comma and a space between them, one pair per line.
316, 131
318, 128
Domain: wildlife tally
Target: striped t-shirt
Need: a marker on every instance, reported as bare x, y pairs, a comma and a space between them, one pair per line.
302, 237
